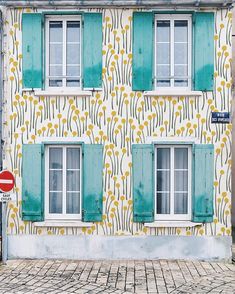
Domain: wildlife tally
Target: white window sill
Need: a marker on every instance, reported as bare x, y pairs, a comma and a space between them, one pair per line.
64, 224
60, 92
172, 224
172, 93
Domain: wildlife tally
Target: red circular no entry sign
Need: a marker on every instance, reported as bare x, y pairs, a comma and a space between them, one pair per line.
7, 181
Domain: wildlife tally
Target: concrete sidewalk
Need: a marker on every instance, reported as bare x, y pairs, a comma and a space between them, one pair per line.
160, 276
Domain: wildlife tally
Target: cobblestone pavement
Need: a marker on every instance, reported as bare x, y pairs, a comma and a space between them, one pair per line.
160, 276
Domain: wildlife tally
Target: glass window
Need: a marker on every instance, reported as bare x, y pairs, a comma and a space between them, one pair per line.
173, 182
172, 51
63, 181
63, 54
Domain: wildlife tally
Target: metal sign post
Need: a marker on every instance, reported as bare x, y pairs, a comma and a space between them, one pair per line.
7, 182
4, 232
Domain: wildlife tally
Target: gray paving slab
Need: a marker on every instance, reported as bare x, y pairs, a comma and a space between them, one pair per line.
158, 276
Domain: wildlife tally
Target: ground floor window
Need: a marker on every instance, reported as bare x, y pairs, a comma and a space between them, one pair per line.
173, 182
63, 182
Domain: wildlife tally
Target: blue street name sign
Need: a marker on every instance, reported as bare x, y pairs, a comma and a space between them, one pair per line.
220, 117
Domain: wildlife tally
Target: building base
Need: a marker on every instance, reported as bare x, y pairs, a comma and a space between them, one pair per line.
120, 247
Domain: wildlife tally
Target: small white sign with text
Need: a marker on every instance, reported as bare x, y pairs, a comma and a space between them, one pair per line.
5, 197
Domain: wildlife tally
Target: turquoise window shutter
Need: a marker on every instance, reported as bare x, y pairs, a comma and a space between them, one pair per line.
32, 182
142, 51
92, 182
143, 182
92, 50
203, 51
203, 179
32, 50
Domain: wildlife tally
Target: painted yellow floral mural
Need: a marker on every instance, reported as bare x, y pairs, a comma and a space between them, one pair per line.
118, 117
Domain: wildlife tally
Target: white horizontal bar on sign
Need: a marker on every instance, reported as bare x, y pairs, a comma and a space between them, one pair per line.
2, 181
173, 93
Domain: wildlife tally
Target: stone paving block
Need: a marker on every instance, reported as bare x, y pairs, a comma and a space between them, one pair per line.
161, 276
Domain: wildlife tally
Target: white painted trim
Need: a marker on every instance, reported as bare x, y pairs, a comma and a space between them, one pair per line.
64, 19
171, 224
62, 216
170, 92
68, 140
64, 224
172, 140
62, 92
172, 216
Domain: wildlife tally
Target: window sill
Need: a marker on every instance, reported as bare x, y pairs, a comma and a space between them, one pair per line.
78, 93
173, 93
172, 224
64, 224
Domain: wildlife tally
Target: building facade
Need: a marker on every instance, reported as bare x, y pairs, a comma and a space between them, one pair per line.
107, 126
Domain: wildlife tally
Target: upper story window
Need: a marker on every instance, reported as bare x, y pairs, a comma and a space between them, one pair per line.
173, 51
63, 52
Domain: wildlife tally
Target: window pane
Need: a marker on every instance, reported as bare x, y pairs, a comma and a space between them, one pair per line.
73, 158
72, 83
163, 31
181, 53
73, 70
163, 71
56, 70
55, 180
163, 158
181, 158
56, 55
73, 54
181, 31
181, 203
73, 180
55, 202
163, 181
55, 83
163, 83
55, 158
56, 31
163, 203
181, 83
181, 70
73, 203
181, 181
163, 53
73, 31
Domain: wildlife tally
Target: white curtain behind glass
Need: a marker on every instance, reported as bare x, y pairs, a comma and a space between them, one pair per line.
181, 180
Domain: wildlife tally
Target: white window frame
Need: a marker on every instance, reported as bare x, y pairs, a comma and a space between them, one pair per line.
172, 216
63, 215
171, 18
64, 19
